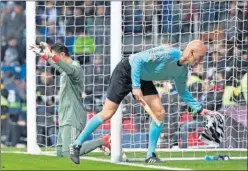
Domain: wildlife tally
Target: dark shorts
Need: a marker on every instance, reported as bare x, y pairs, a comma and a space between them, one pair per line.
121, 83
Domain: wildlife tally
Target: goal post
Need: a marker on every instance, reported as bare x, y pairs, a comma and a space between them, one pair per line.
32, 146
115, 56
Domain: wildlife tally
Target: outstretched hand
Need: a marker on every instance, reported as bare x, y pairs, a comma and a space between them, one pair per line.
42, 50
46, 49
37, 50
204, 112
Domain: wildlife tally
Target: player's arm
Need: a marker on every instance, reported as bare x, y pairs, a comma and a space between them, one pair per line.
73, 71
54, 65
187, 97
37, 49
136, 66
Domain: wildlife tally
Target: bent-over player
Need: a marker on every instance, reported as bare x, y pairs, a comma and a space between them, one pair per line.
135, 74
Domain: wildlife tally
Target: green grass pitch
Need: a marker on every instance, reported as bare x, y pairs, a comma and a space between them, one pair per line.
13, 161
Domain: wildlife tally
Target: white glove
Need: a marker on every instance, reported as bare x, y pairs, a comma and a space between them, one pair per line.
37, 50
44, 46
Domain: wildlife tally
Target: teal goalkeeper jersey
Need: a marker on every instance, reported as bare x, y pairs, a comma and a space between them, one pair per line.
71, 110
161, 63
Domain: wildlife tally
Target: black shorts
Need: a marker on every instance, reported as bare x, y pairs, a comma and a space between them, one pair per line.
121, 83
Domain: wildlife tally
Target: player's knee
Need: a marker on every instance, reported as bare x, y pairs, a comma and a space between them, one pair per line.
108, 110
160, 114
106, 115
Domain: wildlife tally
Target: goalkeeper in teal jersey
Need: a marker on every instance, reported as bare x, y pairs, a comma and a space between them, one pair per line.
72, 115
135, 74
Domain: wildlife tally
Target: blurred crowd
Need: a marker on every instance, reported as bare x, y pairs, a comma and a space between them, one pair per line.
84, 27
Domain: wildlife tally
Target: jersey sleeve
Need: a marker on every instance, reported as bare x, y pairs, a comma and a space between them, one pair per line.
73, 71
137, 64
184, 93
54, 65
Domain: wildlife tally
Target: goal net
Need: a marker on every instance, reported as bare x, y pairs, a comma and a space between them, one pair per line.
219, 83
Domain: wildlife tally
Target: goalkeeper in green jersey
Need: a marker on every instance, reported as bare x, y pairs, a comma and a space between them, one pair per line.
72, 115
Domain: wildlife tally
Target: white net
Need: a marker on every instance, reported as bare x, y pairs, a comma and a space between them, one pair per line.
219, 83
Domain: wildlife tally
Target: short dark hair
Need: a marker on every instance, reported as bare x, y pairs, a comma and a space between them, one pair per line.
58, 47
12, 38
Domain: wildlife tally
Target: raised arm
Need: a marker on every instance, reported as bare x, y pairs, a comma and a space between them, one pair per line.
73, 69
70, 67
54, 65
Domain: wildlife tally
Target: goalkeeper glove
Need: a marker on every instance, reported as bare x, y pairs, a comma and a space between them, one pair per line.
42, 50
46, 49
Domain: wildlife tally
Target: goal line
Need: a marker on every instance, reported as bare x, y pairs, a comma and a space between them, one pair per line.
107, 161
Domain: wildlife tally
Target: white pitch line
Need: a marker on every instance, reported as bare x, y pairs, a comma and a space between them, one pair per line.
134, 164
108, 161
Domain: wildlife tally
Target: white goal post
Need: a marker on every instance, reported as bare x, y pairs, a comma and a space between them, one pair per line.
32, 146
116, 55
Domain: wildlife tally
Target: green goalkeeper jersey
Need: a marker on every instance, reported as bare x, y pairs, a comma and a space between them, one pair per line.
71, 110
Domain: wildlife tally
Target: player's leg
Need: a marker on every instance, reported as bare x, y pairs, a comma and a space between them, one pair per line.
120, 86
59, 144
91, 145
153, 100
154, 132
107, 112
68, 135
